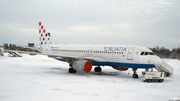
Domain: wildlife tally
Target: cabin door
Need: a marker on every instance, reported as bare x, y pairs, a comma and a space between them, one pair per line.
130, 54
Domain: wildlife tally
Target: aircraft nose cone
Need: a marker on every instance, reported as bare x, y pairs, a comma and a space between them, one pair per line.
157, 62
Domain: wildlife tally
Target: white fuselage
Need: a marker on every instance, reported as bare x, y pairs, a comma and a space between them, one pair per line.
112, 55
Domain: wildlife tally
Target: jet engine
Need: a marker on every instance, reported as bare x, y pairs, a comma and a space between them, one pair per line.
121, 68
82, 66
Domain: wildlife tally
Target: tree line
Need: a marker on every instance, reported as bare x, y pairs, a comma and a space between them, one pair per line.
17, 48
163, 52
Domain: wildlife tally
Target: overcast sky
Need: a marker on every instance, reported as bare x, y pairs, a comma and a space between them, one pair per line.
147, 23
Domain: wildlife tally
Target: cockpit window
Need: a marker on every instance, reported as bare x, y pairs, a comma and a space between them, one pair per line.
151, 53
147, 53
142, 53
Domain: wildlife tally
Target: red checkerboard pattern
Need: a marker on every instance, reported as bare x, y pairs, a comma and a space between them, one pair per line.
44, 37
41, 31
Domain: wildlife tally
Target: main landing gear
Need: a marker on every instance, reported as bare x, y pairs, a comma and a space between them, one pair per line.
71, 70
97, 69
135, 75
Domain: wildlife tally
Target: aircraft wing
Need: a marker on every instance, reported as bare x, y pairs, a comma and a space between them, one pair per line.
73, 58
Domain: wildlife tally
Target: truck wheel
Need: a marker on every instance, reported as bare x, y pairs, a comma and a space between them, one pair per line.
161, 80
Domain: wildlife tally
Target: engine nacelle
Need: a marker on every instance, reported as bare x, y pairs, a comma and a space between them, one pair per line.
121, 68
82, 66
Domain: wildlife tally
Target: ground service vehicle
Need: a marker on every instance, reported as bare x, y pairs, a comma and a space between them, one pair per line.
153, 76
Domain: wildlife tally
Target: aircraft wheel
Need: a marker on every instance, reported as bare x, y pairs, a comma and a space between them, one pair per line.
97, 69
135, 75
71, 70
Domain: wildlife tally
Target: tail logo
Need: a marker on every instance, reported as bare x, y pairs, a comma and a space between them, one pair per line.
44, 37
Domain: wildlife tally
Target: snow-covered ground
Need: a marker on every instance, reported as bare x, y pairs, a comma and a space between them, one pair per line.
39, 78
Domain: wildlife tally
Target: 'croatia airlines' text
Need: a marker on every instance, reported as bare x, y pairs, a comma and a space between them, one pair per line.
122, 49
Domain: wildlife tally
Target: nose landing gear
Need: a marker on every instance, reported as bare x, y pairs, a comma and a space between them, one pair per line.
135, 75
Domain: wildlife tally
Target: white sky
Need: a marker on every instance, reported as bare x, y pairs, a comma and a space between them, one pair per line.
147, 23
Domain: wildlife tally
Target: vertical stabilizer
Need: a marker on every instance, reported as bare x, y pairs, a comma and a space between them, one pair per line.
44, 37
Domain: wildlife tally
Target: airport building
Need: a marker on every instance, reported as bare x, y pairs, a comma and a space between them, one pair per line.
30, 44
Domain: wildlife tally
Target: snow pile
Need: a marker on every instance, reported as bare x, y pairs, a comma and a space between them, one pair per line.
39, 78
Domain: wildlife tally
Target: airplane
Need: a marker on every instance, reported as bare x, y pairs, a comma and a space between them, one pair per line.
81, 58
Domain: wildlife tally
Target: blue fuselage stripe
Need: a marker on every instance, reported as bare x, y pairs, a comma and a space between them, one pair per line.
118, 64
60, 59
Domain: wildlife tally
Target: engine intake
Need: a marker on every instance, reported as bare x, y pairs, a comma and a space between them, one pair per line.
82, 66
